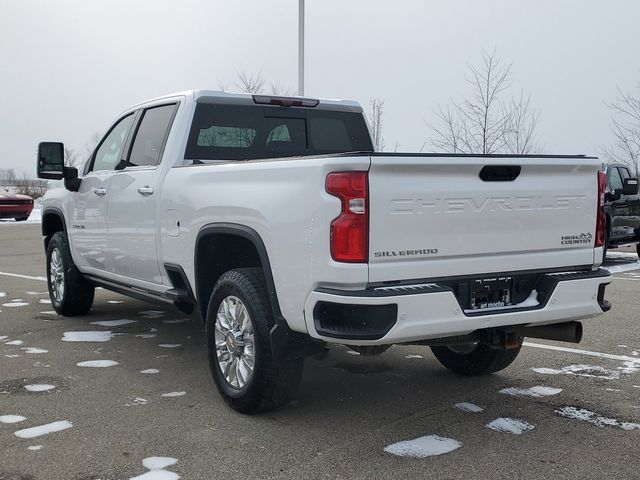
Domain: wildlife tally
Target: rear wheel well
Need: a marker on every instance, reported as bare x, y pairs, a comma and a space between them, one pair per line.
51, 223
218, 253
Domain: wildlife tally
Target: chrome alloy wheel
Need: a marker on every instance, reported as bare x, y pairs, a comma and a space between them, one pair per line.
234, 341
56, 275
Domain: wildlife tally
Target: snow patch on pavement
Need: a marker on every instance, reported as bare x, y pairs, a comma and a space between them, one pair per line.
157, 475
14, 342
170, 345
97, 363
413, 356
588, 416
150, 370
44, 301
592, 371
45, 387
469, 407
156, 467
537, 391
53, 427
158, 463
12, 418
113, 323
92, 336
34, 350
625, 267
133, 401
15, 303
510, 425
174, 394
34, 448
427, 446
630, 367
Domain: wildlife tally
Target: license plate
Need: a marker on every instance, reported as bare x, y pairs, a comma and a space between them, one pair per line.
493, 292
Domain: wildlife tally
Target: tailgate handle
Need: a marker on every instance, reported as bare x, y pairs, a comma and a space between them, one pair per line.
500, 173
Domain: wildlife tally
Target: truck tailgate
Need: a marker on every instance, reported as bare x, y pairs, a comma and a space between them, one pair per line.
434, 216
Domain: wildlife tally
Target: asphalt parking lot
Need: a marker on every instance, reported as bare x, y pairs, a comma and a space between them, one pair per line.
583, 423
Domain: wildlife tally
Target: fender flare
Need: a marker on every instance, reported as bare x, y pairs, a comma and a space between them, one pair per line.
285, 343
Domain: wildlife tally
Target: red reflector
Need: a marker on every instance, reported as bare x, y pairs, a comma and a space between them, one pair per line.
601, 218
285, 101
350, 230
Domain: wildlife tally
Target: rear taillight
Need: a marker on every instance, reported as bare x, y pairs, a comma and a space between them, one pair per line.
350, 230
601, 219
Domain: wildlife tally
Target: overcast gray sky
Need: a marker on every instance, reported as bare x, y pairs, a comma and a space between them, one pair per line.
69, 67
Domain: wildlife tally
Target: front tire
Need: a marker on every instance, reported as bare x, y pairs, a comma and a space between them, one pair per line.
481, 360
239, 319
69, 291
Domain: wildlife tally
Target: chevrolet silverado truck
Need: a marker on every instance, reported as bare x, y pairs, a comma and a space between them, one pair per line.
273, 219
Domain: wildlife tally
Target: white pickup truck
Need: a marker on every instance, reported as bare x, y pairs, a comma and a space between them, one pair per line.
273, 219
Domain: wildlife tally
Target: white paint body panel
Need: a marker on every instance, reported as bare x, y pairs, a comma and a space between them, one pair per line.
285, 202
470, 226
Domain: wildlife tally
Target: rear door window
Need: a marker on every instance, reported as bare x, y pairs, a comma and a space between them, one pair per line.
151, 135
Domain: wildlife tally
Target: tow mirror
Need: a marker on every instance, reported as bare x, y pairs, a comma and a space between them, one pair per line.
630, 186
50, 160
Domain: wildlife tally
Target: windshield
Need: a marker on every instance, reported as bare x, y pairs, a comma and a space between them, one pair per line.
233, 132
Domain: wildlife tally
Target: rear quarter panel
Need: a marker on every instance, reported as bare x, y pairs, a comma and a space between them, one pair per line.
283, 200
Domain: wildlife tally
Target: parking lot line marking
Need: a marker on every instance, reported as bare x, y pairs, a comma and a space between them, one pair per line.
627, 278
17, 275
622, 358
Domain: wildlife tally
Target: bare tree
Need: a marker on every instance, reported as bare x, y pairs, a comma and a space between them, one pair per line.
92, 144
255, 83
625, 126
522, 119
249, 82
281, 90
375, 118
27, 185
71, 157
7, 176
483, 122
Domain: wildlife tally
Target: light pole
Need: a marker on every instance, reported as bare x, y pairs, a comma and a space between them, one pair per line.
301, 47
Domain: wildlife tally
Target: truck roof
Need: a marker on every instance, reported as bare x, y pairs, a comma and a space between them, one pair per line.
219, 96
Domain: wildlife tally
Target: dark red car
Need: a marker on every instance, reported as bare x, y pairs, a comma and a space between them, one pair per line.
14, 205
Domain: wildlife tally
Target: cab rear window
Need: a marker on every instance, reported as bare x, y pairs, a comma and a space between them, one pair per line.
234, 132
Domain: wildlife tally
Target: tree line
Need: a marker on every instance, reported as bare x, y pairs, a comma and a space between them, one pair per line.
488, 119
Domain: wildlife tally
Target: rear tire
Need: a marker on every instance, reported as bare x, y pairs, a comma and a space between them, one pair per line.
239, 319
69, 291
482, 360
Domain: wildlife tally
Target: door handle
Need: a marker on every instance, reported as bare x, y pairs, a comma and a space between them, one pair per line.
100, 192
146, 190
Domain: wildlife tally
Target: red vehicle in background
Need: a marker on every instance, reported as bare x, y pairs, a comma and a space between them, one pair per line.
15, 205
